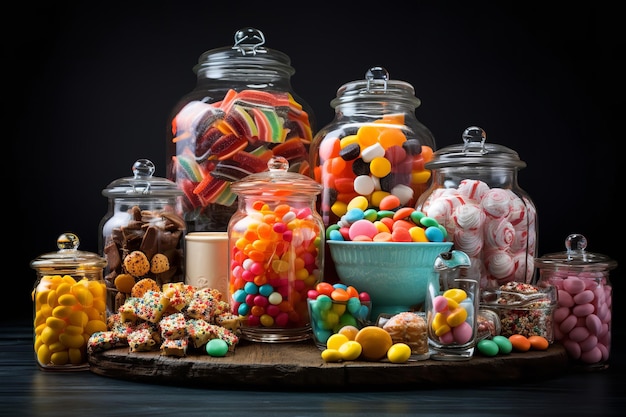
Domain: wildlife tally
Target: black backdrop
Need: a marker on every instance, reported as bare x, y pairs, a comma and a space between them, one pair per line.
91, 87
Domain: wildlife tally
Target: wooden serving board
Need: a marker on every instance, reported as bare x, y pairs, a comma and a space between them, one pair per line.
298, 365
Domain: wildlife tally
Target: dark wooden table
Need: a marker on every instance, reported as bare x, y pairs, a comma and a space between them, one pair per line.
27, 391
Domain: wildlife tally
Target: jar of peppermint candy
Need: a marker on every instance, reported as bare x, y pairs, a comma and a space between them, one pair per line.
475, 196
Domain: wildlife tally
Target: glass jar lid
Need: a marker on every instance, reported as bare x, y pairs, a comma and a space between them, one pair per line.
278, 181
475, 151
68, 256
142, 183
576, 258
376, 87
247, 58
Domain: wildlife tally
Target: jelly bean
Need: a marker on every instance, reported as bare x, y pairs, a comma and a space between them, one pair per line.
520, 343
504, 344
487, 347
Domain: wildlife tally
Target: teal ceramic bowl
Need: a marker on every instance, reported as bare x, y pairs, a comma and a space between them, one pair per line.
395, 274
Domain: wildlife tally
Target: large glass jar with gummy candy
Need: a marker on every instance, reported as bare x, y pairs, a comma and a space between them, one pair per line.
69, 300
475, 195
374, 147
242, 112
276, 241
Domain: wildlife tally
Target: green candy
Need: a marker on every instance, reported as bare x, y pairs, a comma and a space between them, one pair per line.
504, 344
488, 347
217, 347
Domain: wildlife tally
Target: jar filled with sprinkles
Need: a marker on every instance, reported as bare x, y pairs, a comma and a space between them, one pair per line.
276, 253
242, 112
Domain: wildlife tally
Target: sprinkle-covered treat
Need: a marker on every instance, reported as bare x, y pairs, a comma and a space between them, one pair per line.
173, 326
141, 340
100, 341
179, 294
200, 332
175, 347
143, 286
152, 306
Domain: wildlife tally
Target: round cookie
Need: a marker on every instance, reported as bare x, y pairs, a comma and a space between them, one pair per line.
136, 263
159, 263
144, 285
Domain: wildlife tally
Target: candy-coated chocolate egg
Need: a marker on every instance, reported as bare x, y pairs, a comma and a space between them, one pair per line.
538, 342
520, 342
399, 353
504, 345
488, 347
217, 347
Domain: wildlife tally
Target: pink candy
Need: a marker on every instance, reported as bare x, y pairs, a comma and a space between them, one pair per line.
582, 323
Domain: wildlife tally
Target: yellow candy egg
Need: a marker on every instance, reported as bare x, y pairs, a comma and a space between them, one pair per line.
399, 353
331, 355
336, 340
71, 341
60, 358
75, 356
350, 350
43, 354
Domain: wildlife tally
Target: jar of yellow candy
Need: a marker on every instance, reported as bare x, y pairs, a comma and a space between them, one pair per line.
69, 299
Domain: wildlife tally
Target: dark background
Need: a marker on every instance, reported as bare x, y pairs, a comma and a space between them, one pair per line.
91, 88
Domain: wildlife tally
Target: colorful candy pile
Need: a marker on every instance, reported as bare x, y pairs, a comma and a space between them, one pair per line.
493, 226
225, 141
332, 306
274, 263
453, 317
391, 223
377, 161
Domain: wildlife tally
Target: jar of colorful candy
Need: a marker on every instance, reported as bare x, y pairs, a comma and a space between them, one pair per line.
142, 233
69, 300
276, 253
374, 147
242, 112
475, 195
582, 320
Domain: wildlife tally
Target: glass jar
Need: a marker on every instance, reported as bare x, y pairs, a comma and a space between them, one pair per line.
69, 300
242, 111
475, 196
142, 234
582, 320
374, 147
276, 241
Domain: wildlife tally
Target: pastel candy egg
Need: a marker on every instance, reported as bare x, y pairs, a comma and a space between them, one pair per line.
462, 333
574, 285
362, 228
440, 303
594, 324
584, 297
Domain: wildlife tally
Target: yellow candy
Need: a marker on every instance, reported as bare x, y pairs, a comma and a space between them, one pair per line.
67, 299
74, 330
49, 335
76, 356
68, 279
457, 316
43, 354
56, 347
359, 202
59, 358
336, 340
95, 326
350, 350
418, 234
456, 294
420, 177
55, 323
399, 353
71, 341
63, 288
78, 318
440, 325
331, 355
61, 312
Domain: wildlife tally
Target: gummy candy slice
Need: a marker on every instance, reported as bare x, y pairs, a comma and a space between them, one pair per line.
226, 146
230, 170
188, 186
208, 190
269, 124
196, 114
252, 162
291, 149
188, 166
205, 141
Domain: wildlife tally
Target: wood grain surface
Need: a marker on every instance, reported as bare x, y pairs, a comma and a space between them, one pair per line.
299, 365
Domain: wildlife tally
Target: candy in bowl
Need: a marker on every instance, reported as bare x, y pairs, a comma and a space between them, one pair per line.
394, 274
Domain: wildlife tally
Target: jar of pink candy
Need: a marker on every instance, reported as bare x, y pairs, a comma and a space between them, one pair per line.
476, 197
375, 147
242, 112
276, 253
582, 320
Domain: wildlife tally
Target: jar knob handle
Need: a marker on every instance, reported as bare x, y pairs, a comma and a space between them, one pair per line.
67, 241
375, 75
474, 137
575, 245
248, 41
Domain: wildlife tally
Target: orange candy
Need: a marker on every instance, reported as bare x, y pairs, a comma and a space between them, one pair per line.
538, 342
520, 342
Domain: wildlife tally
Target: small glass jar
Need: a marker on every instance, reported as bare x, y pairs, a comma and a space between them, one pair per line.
374, 147
242, 112
69, 300
276, 241
486, 214
142, 234
582, 321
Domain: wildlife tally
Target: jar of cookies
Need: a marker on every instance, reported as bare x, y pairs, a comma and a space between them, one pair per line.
69, 300
142, 234
374, 147
476, 197
583, 317
276, 253
242, 112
